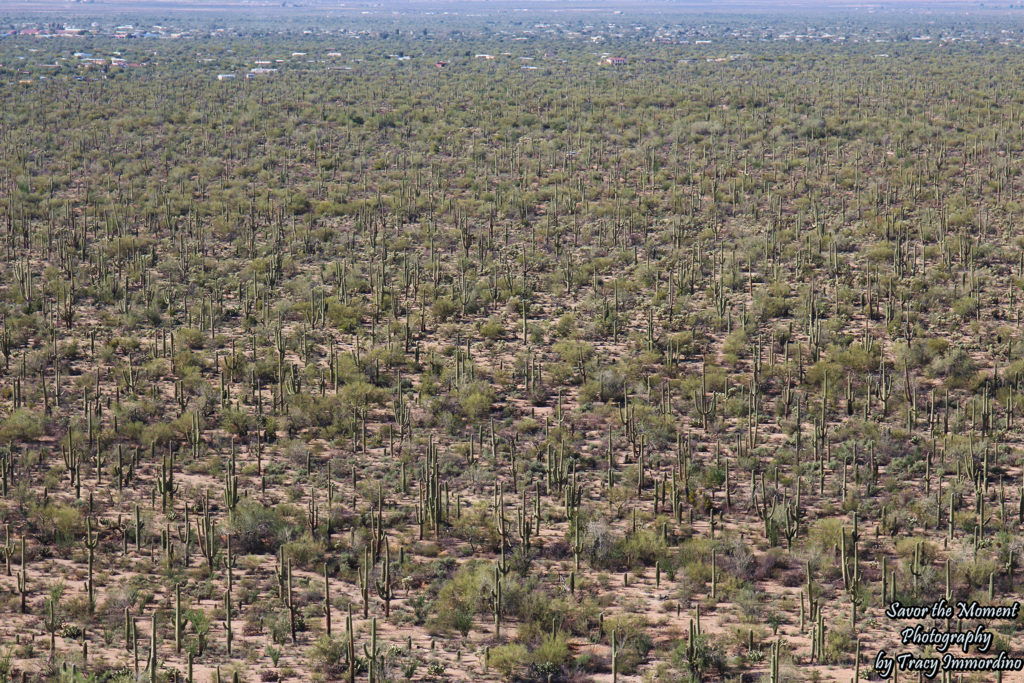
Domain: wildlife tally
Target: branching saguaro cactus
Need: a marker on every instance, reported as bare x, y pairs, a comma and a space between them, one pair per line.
8, 548
615, 658
154, 665
91, 542
228, 632
496, 602
351, 647
374, 655
165, 483
206, 533
365, 582
327, 601
179, 618
384, 585
23, 588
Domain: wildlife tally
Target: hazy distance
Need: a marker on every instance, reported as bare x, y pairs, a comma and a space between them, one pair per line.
499, 5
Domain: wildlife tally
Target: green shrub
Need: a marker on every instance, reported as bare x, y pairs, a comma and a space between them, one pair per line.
476, 400
956, 366
442, 309
619, 553
306, 552
507, 659
840, 644
632, 640
704, 657
477, 527
966, 307
345, 317
492, 329
237, 422
58, 523
327, 656
257, 528
23, 424
463, 596
189, 338
824, 534
551, 655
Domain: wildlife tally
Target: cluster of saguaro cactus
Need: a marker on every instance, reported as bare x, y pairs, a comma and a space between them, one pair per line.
773, 659
781, 342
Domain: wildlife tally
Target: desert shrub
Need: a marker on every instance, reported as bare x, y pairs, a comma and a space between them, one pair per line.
189, 338
977, 572
701, 659
824, 534
306, 551
816, 373
632, 640
550, 656
612, 386
956, 366
736, 558
22, 424
694, 560
840, 644
360, 394
773, 304
327, 656
237, 422
257, 528
966, 307
477, 527
199, 623
508, 659
462, 597
566, 325
620, 553
492, 329
59, 523
573, 352
279, 625
476, 400
856, 358
298, 204
442, 309
345, 317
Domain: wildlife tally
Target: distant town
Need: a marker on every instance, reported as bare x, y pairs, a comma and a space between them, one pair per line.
54, 49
